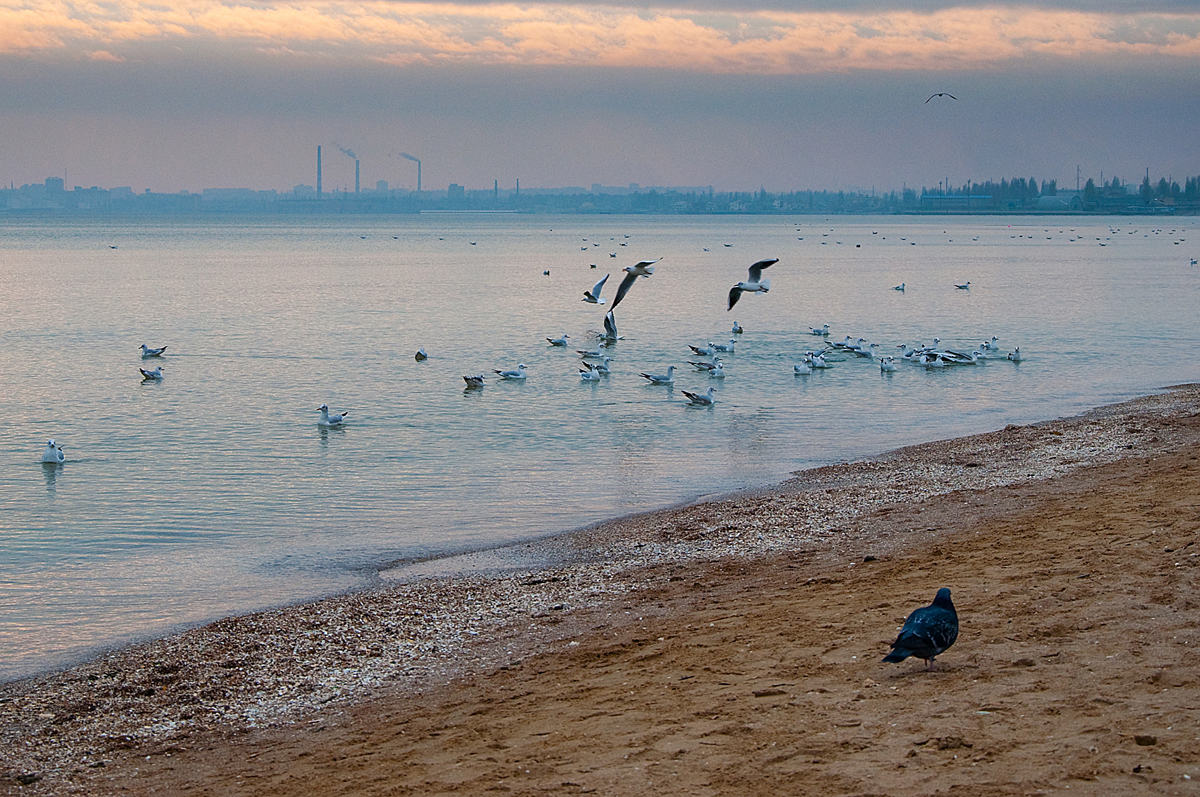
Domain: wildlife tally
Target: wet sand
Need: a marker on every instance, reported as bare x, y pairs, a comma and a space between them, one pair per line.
730, 647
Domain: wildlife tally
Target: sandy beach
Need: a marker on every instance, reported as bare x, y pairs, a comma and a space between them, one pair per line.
728, 647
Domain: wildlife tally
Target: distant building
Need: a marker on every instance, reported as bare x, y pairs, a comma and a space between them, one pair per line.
381, 186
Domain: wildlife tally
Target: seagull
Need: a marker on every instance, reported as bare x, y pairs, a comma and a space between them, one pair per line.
643, 269
703, 351
474, 382
594, 354
1015, 355
662, 379
602, 366
737, 328
610, 326
53, 453
887, 365
330, 420
756, 284
966, 287
802, 369
928, 631
149, 352
702, 366
940, 94
559, 341
990, 345
727, 347
588, 375
717, 371
824, 330
899, 287
593, 296
513, 375
151, 376
701, 399
421, 355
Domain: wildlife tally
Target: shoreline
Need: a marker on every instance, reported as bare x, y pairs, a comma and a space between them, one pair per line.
281, 668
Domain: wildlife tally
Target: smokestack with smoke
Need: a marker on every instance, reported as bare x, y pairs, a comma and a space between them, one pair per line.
356, 175
418, 161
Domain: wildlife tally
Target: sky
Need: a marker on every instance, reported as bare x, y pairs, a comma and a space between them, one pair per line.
171, 95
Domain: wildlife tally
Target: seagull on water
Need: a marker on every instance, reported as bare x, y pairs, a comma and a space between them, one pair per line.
149, 352
737, 328
802, 369
899, 287
662, 379
928, 631
53, 453
1015, 355
559, 341
823, 331
726, 347
151, 376
593, 296
331, 420
701, 399
965, 287
643, 269
421, 355
756, 284
941, 94
703, 351
887, 365
473, 382
602, 366
610, 326
709, 366
587, 374
513, 375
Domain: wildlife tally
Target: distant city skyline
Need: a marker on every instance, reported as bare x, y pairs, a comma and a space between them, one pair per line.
184, 94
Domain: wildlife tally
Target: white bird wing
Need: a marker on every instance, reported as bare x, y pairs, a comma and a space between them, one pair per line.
757, 269
599, 286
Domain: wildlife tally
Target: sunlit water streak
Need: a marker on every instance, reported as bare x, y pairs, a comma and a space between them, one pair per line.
215, 492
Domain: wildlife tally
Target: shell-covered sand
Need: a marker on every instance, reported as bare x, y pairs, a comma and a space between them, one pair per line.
728, 647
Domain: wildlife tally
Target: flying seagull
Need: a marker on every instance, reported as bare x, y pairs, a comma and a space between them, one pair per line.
593, 296
940, 94
928, 631
642, 269
610, 326
756, 284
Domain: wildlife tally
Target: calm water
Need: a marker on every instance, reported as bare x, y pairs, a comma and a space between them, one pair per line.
214, 491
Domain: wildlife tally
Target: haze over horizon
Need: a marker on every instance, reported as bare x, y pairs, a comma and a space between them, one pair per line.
193, 94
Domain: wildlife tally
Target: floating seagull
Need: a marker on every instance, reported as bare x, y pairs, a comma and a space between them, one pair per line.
824, 330
421, 355
593, 296
559, 341
701, 399
610, 326
330, 420
966, 287
514, 375
928, 631
887, 365
727, 347
717, 371
802, 369
899, 287
703, 351
662, 379
151, 376
643, 269
588, 375
602, 366
1015, 355
990, 345
149, 352
756, 284
702, 366
819, 362
53, 453
474, 382
737, 328
940, 94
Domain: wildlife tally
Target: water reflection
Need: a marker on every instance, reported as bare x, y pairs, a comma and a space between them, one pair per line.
51, 470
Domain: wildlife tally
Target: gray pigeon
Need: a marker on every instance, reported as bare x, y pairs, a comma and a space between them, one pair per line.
927, 632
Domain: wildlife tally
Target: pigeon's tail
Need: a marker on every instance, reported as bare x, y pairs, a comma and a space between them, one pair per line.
898, 655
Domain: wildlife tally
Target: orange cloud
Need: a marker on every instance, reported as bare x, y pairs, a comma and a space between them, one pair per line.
762, 42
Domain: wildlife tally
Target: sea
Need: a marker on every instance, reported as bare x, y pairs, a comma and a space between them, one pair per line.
214, 491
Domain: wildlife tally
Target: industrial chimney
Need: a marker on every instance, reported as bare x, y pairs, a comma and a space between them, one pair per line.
356, 175
318, 171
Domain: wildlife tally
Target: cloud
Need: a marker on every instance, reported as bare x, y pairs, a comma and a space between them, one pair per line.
761, 41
